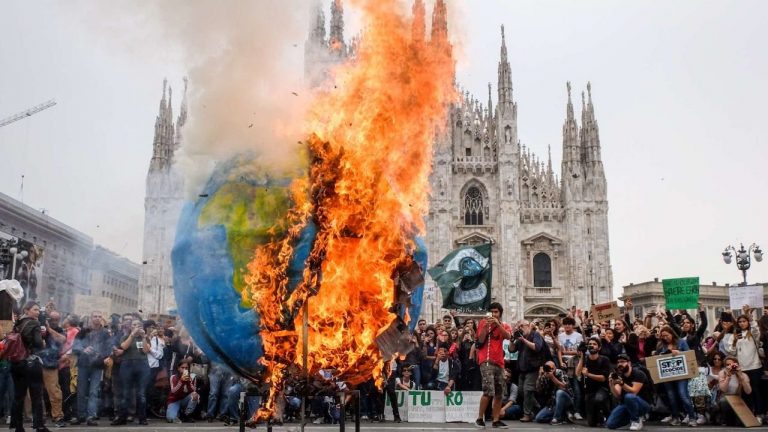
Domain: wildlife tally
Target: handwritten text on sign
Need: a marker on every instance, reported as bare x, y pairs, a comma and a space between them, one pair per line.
418, 406
605, 312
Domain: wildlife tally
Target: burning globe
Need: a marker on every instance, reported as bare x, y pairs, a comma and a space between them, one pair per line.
332, 247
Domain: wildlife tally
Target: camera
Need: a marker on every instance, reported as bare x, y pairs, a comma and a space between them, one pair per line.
583, 347
517, 334
547, 368
43, 317
615, 376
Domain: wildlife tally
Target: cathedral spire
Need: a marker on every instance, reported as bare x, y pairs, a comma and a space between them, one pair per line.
419, 21
317, 24
182, 119
440, 23
505, 75
337, 24
490, 102
162, 144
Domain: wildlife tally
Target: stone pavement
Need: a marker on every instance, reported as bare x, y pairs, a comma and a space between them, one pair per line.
162, 426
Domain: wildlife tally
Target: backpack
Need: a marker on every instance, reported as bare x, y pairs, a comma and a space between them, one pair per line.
15, 350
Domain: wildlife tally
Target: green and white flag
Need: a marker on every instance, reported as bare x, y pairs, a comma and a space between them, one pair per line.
464, 278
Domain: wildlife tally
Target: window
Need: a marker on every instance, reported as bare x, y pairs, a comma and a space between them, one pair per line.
467, 151
542, 270
473, 207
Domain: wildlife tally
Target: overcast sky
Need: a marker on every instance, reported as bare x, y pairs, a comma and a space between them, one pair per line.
679, 89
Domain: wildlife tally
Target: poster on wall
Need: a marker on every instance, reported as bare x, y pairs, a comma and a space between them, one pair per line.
29, 264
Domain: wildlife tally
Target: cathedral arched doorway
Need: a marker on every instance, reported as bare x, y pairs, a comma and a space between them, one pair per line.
543, 312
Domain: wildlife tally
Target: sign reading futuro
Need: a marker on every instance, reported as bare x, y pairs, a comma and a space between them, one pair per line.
423, 406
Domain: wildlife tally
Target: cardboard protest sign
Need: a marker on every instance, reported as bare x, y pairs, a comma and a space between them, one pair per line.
462, 406
746, 295
417, 406
605, 312
742, 411
681, 293
402, 406
672, 367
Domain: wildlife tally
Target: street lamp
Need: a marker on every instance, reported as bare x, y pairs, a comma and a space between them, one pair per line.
743, 257
15, 255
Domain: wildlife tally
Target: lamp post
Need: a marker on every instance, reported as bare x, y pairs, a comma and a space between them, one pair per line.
15, 255
743, 257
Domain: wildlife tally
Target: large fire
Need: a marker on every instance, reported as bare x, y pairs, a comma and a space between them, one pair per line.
366, 193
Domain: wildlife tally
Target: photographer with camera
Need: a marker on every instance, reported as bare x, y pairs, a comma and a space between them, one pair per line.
134, 373
554, 393
531, 356
626, 385
731, 381
490, 356
594, 368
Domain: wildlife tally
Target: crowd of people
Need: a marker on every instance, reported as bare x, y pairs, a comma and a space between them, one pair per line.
567, 368
119, 369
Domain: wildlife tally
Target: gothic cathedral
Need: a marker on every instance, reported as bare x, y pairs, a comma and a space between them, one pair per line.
549, 234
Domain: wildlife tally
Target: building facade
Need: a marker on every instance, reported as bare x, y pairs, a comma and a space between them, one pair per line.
646, 296
162, 207
549, 232
115, 277
55, 262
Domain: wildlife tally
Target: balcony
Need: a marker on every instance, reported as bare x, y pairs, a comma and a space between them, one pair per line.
543, 292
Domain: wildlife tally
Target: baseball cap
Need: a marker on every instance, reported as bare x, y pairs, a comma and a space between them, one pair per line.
623, 357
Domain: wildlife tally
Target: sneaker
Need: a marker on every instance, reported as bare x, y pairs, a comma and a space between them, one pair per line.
364, 417
90, 421
480, 423
556, 422
666, 419
701, 420
499, 425
318, 420
60, 423
675, 422
636, 426
693, 422
526, 418
578, 416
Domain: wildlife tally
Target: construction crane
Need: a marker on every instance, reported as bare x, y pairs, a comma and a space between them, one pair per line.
28, 112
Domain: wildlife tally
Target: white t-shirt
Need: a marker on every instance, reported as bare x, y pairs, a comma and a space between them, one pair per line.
442, 371
570, 342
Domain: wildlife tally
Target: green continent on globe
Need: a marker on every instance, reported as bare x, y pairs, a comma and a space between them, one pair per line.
249, 212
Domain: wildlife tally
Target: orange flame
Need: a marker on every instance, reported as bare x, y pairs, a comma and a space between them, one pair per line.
367, 192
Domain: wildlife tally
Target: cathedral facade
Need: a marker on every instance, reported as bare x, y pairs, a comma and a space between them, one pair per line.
549, 232
162, 207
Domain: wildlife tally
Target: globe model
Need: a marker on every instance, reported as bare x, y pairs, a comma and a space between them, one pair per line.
217, 233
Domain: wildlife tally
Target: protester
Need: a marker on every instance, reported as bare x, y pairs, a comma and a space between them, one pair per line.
530, 346
743, 344
570, 340
28, 373
626, 384
554, 391
490, 334
594, 368
183, 397
69, 399
445, 370
510, 408
218, 376
92, 348
49, 356
676, 391
731, 381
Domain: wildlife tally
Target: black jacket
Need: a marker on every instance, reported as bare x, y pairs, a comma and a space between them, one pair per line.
31, 333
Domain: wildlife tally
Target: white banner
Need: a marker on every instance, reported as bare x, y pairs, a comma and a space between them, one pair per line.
746, 295
422, 406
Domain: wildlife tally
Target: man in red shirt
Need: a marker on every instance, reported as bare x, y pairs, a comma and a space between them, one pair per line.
490, 356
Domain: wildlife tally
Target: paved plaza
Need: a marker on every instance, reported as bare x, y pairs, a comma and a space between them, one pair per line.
157, 425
